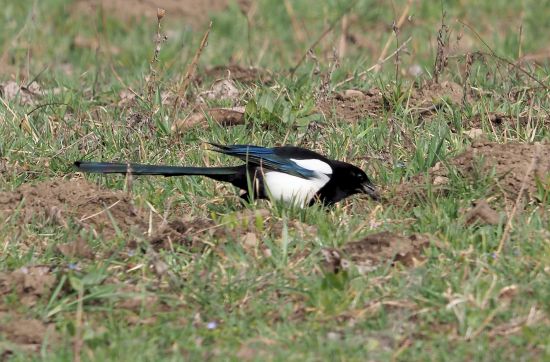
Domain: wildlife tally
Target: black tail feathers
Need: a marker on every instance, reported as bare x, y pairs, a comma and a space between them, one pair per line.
160, 170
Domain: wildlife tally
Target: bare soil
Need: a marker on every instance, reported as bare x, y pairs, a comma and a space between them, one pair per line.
85, 205
76, 201
375, 250
25, 334
28, 285
353, 105
515, 167
423, 101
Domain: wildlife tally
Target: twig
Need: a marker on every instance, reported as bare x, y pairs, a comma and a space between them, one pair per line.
504, 60
190, 71
99, 212
35, 78
321, 37
518, 199
46, 105
62, 149
375, 65
400, 22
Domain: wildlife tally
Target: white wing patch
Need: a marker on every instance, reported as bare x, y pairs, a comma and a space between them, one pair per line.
314, 165
282, 186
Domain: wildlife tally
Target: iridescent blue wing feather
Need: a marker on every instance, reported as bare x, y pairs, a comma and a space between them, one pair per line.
265, 157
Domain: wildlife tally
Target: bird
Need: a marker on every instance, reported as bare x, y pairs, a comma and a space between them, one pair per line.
288, 173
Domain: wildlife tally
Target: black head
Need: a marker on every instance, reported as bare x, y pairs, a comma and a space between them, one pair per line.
356, 181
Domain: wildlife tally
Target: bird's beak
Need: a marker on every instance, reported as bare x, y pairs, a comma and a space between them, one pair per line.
370, 190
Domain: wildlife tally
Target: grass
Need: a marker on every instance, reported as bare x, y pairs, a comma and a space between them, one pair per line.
272, 300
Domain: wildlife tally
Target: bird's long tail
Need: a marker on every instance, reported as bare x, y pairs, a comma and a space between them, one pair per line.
218, 173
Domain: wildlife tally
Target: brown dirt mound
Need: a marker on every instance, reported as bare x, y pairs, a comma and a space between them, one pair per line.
194, 11
510, 163
428, 98
28, 283
353, 105
103, 211
25, 335
375, 250
76, 201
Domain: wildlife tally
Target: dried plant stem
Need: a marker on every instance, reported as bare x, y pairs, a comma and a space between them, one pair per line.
386, 48
501, 59
297, 30
321, 37
78, 341
528, 172
361, 74
152, 82
442, 55
342, 42
190, 71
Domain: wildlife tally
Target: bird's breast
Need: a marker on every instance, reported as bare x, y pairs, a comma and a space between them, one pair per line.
288, 188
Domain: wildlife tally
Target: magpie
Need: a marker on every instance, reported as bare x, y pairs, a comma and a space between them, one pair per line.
287, 173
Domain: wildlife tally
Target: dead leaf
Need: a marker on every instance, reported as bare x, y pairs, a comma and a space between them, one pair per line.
223, 89
126, 97
249, 240
10, 90
223, 116
508, 292
440, 180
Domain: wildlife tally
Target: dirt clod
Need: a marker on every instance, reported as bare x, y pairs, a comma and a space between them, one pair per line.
375, 250
481, 213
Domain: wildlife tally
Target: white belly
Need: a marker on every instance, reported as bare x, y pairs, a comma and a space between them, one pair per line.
282, 186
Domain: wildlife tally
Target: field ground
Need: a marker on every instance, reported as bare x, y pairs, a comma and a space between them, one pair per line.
444, 104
